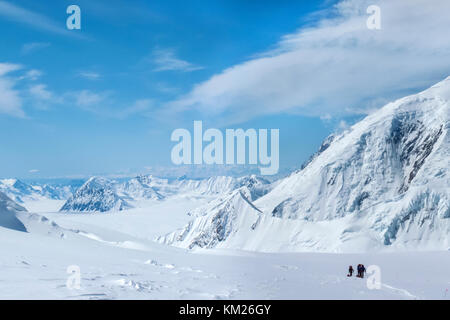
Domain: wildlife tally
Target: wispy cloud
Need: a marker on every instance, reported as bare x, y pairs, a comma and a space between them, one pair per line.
31, 47
336, 67
88, 100
32, 75
19, 88
10, 100
103, 104
89, 75
166, 88
139, 106
18, 14
40, 91
166, 60
8, 67
41, 97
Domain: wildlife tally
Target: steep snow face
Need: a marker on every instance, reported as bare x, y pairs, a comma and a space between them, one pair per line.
97, 194
383, 183
224, 217
257, 186
17, 218
252, 186
8, 214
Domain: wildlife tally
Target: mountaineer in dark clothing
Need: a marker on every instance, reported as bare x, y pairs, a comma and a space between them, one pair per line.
350, 271
361, 271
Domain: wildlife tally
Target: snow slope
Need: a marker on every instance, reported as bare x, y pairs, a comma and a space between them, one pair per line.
17, 218
209, 230
118, 260
8, 214
121, 263
382, 184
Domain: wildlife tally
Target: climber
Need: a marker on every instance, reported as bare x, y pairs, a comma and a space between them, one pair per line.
350, 271
363, 270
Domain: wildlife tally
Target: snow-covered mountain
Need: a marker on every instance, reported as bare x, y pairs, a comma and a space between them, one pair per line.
210, 186
96, 194
100, 194
222, 185
383, 183
215, 222
141, 187
15, 217
20, 191
8, 214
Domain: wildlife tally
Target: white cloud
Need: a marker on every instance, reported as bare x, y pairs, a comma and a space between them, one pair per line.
103, 104
337, 67
40, 91
28, 48
10, 100
8, 67
166, 60
138, 107
165, 88
89, 75
33, 171
88, 99
32, 74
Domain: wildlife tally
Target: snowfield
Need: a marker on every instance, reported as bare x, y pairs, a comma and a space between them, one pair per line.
118, 260
377, 194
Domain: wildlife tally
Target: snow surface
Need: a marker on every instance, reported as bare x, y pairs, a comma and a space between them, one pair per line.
118, 260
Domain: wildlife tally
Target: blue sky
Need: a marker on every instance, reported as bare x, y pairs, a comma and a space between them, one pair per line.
105, 99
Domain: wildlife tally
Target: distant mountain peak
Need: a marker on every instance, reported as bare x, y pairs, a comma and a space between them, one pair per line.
98, 194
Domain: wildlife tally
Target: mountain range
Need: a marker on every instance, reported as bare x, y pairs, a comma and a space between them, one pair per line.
382, 184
